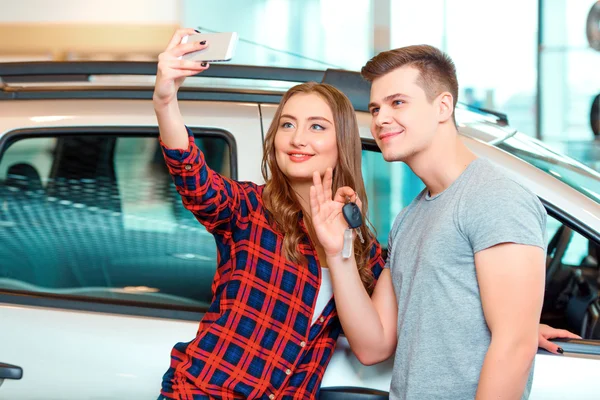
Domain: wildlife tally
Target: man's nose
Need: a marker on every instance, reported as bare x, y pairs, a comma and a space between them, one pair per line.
383, 117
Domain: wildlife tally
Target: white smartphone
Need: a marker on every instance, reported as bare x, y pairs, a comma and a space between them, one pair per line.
221, 46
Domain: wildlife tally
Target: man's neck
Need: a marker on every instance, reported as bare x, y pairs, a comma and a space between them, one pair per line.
442, 163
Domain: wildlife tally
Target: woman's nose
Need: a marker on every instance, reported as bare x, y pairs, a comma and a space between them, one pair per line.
298, 139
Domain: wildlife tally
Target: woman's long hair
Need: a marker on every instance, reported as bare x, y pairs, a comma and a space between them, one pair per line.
278, 196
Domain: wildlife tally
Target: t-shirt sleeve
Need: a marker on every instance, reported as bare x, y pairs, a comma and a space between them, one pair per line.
502, 211
392, 233
389, 251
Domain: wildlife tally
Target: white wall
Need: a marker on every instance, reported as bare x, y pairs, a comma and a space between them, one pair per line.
90, 11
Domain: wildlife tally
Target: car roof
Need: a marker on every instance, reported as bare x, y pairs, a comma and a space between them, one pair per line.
106, 79
222, 82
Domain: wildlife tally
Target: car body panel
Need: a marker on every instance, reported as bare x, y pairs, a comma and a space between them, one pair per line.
69, 354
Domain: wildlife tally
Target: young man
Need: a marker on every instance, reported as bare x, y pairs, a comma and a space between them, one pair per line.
466, 257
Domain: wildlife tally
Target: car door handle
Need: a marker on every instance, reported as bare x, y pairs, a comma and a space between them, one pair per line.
8, 371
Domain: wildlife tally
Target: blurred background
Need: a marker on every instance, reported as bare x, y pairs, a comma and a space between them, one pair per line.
531, 59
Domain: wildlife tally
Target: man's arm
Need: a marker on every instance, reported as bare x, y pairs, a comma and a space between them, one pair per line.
511, 283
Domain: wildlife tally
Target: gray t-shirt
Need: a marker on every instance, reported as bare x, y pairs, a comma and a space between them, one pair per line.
442, 333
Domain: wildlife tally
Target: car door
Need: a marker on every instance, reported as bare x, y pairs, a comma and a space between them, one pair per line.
102, 270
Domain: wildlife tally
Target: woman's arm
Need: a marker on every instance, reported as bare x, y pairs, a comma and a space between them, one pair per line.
369, 323
211, 197
170, 75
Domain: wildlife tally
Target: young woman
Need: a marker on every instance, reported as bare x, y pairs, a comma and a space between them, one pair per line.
272, 326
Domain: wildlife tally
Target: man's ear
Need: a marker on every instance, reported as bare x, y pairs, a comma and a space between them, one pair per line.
446, 106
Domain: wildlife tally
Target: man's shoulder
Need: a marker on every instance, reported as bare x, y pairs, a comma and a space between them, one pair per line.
499, 209
492, 192
489, 182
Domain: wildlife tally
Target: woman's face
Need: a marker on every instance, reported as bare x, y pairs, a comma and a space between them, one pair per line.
306, 139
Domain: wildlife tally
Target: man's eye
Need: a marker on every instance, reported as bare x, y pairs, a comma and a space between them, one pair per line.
374, 111
398, 102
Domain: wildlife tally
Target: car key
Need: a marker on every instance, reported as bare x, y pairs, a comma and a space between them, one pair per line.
353, 217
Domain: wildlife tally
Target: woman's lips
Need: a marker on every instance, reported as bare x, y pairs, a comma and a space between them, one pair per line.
299, 157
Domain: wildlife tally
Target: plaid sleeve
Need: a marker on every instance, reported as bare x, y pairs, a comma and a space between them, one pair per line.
376, 261
211, 197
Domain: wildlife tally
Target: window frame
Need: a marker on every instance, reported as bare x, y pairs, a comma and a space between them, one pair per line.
137, 131
110, 306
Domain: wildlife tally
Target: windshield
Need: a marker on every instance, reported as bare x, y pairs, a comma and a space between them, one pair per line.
491, 129
569, 171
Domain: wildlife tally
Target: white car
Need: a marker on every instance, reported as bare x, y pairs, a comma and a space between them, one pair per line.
102, 270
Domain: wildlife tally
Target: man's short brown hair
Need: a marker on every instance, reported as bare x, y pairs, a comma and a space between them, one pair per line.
437, 72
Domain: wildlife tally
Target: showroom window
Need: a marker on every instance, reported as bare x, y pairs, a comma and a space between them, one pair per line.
494, 50
312, 34
97, 215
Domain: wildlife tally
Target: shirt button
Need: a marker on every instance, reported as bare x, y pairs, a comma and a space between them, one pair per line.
187, 167
302, 344
288, 371
271, 396
321, 319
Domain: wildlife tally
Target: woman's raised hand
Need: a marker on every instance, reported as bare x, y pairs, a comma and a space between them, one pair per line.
326, 212
172, 71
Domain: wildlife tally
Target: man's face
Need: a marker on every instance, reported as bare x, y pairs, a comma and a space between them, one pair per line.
404, 121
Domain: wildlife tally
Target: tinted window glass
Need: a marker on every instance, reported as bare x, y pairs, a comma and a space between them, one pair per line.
99, 216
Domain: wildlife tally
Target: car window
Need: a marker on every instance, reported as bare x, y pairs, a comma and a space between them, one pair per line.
98, 216
577, 246
572, 278
390, 187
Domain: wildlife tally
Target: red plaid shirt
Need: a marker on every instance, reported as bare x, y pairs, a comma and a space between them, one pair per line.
256, 340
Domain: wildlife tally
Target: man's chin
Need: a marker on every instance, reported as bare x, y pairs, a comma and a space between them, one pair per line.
391, 157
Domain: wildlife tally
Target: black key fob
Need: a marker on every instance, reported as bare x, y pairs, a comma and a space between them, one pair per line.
352, 215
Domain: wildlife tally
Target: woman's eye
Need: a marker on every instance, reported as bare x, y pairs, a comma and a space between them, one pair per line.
317, 127
287, 125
